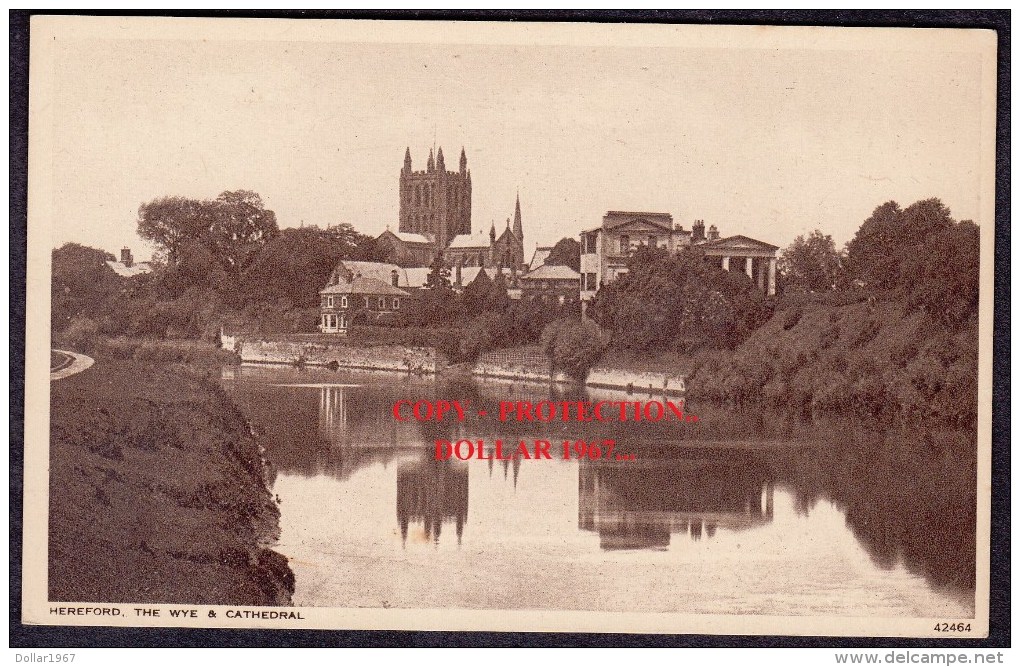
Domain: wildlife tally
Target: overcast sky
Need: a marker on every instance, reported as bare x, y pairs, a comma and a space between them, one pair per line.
765, 143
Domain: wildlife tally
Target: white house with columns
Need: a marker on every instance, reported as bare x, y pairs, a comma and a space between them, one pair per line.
604, 249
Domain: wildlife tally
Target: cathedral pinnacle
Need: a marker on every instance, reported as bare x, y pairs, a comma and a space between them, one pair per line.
518, 226
432, 161
463, 161
440, 163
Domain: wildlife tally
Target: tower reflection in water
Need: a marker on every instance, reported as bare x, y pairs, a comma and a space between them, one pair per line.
432, 493
641, 505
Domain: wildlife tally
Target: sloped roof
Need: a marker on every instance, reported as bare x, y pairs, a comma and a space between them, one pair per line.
552, 272
469, 273
383, 271
414, 277
411, 237
363, 285
125, 271
737, 242
479, 240
538, 259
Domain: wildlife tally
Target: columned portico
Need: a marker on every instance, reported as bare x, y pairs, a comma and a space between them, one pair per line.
725, 263
749, 267
772, 277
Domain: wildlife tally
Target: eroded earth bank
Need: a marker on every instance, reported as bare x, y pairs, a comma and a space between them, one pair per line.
158, 492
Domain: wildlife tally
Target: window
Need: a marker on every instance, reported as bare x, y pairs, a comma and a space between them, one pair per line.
382, 303
343, 302
653, 241
591, 281
343, 322
396, 303
366, 302
329, 302
325, 321
624, 244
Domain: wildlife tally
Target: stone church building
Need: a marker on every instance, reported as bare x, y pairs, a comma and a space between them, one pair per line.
435, 218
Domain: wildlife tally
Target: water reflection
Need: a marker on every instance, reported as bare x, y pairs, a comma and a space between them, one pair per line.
808, 495
432, 493
642, 506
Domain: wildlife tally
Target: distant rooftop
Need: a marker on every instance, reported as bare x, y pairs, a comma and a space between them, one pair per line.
136, 269
552, 272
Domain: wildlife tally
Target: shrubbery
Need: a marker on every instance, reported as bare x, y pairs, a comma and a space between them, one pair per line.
573, 346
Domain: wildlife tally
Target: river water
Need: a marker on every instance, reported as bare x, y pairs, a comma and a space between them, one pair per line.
742, 512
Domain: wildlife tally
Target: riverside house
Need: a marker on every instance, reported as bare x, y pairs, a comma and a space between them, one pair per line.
604, 249
351, 296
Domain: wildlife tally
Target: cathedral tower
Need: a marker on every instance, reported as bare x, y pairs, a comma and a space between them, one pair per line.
435, 202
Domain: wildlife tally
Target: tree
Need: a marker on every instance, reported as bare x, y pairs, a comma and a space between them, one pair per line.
439, 274
907, 253
566, 252
876, 254
572, 346
233, 226
811, 263
239, 226
80, 283
170, 221
678, 301
296, 264
477, 295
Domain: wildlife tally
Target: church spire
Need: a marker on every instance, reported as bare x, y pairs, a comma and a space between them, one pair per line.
518, 227
407, 160
492, 233
440, 163
432, 161
463, 161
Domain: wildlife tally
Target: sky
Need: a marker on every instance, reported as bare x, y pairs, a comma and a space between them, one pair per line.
768, 143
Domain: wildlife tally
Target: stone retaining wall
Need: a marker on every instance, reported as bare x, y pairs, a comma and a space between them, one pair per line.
376, 357
532, 364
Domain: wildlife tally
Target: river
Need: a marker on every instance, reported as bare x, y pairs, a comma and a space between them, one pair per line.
742, 512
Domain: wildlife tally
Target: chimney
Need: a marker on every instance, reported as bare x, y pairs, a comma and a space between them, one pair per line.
125, 257
394, 277
713, 233
698, 231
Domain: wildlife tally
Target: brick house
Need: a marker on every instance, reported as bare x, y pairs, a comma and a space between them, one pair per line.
350, 296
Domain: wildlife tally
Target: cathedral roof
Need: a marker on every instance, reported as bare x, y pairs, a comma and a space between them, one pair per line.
479, 240
411, 237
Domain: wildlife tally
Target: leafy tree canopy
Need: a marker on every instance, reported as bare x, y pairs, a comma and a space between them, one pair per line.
566, 252
811, 263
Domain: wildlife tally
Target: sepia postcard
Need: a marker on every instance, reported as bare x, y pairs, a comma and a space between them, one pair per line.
514, 327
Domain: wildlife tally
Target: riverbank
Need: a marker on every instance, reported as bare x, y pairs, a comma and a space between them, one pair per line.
871, 358
519, 363
158, 492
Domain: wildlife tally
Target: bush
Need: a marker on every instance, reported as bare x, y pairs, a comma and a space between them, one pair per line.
81, 334
791, 318
573, 347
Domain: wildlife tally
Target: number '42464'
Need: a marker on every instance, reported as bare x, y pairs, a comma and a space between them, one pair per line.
952, 627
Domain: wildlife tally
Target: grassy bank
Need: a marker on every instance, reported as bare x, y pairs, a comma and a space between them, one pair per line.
870, 358
157, 491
